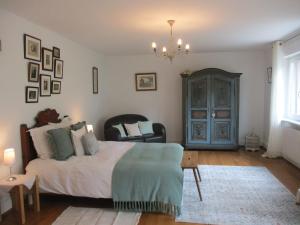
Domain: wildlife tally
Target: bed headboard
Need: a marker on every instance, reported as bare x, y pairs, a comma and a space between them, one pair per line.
42, 119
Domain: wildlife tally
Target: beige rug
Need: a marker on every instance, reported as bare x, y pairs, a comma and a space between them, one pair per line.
94, 216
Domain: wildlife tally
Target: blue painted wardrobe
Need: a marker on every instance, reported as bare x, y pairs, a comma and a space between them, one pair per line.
210, 103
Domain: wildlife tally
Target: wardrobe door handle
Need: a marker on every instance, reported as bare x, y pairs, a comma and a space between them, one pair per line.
213, 115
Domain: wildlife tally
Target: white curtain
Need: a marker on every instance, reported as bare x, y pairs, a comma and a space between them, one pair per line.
277, 102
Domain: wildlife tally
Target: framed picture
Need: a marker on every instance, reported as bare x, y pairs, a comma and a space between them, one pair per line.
33, 72
32, 94
56, 52
58, 68
55, 87
95, 80
32, 48
145, 82
47, 59
45, 85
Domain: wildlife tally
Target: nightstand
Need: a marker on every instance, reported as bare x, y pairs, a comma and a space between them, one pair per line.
18, 188
190, 161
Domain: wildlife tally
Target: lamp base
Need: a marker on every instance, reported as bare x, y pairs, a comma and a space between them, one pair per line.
10, 179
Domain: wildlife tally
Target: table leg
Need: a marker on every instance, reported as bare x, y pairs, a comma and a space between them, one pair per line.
19, 204
200, 179
197, 183
36, 195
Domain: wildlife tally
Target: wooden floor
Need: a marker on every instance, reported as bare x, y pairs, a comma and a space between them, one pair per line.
284, 171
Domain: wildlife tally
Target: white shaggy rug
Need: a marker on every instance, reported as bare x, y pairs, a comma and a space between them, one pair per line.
93, 216
237, 195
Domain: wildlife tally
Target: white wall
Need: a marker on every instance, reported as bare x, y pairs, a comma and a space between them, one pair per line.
75, 100
164, 105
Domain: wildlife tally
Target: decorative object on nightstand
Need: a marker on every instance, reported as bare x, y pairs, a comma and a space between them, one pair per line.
252, 142
9, 159
190, 161
17, 188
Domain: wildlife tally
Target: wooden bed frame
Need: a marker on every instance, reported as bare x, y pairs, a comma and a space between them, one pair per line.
29, 153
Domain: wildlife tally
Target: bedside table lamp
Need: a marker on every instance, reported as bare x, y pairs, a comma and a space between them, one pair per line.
9, 160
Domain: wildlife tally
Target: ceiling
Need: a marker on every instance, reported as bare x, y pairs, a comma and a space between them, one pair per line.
120, 27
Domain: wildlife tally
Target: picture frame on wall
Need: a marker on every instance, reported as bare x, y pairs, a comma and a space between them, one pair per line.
58, 68
47, 59
56, 52
95, 80
33, 72
45, 85
55, 87
145, 82
32, 48
31, 94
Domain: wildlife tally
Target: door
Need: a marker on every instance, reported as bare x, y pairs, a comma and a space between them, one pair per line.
199, 110
222, 110
211, 107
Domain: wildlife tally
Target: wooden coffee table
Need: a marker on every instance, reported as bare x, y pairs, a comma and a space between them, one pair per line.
190, 161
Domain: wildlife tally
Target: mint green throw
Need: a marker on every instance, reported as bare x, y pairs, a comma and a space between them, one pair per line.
149, 178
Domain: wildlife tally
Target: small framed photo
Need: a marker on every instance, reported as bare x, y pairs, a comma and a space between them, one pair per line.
32, 48
45, 85
58, 68
55, 87
145, 82
56, 52
32, 94
33, 72
47, 59
95, 80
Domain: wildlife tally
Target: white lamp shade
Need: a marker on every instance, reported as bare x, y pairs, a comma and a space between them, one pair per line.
90, 128
9, 156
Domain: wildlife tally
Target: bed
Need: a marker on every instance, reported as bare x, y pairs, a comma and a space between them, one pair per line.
134, 176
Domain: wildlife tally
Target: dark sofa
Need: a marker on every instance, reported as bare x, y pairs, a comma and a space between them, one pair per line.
113, 134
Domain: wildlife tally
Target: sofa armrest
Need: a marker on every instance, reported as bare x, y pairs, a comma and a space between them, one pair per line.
159, 129
112, 134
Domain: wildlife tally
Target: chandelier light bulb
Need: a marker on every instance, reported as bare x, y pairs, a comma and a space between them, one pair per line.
179, 42
187, 47
164, 49
153, 45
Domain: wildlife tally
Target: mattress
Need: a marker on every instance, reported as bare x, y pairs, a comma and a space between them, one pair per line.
83, 176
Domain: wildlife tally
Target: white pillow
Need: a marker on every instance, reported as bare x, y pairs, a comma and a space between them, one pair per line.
76, 138
40, 138
133, 129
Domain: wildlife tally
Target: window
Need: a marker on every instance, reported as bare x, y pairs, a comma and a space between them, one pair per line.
293, 88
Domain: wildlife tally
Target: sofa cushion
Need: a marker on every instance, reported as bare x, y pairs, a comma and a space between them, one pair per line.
121, 130
133, 130
146, 127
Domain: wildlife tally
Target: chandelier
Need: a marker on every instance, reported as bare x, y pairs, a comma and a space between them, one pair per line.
172, 48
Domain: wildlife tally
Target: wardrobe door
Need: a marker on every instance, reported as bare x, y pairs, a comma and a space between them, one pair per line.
222, 110
198, 110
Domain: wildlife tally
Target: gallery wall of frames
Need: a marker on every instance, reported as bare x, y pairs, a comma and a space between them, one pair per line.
40, 60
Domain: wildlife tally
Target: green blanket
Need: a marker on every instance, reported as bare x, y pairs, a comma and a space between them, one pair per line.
149, 178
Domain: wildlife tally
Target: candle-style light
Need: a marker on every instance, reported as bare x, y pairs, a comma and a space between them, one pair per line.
154, 46
179, 43
187, 48
9, 159
164, 50
90, 128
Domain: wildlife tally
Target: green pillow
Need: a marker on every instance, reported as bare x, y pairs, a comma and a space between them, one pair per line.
121, 129
61, 143
146, 127
78, 125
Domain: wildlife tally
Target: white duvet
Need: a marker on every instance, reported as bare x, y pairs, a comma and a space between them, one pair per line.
86, 176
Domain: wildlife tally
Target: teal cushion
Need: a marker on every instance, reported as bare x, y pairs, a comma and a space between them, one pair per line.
61, 143
121, 130
90, 143
146, 127
78, 125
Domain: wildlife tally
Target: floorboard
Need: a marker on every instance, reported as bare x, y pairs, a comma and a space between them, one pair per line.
288, 174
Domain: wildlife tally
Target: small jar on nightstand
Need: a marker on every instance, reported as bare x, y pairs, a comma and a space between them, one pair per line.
22, 184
